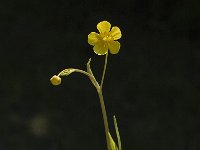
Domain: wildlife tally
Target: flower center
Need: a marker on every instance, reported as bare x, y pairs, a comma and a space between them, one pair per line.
107, 38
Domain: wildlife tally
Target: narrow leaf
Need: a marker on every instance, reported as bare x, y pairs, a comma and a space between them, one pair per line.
117, 133
94, 82
113, 146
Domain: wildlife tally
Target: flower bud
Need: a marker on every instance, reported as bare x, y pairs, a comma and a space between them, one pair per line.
55, 80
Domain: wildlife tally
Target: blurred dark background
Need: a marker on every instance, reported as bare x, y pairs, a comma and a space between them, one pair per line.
152, 85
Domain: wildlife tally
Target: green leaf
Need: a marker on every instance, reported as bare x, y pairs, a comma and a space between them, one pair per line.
113, 146
94, 82
117, 133
88, 67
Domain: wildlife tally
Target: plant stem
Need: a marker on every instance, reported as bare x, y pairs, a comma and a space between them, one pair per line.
103, 108
99, 91
105, 120
104, 70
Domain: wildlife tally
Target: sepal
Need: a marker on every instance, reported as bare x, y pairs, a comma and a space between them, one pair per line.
67, 72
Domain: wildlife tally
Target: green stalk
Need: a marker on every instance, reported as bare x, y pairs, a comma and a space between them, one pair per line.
89, 73
105, 119
103, 108
104, 70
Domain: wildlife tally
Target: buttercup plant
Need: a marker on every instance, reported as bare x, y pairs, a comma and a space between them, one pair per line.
103, 42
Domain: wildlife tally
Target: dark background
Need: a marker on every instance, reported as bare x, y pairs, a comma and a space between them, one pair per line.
152, 85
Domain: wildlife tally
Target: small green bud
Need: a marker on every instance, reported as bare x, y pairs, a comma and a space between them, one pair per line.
55, 80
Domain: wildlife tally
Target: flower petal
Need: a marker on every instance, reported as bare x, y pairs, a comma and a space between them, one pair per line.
104, 26
101, 48
93, 38
114, 47
115, 33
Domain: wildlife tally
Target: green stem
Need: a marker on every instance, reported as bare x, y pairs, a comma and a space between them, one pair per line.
99, 91
76, 70
104, 70
103, 108
105, 120
65, 72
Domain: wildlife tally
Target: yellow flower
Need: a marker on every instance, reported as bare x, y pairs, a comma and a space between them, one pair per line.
55, 80
105, 40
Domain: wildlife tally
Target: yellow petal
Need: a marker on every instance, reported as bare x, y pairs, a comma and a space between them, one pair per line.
93, 38
103, 26
101, 48
115, 33
114, 47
